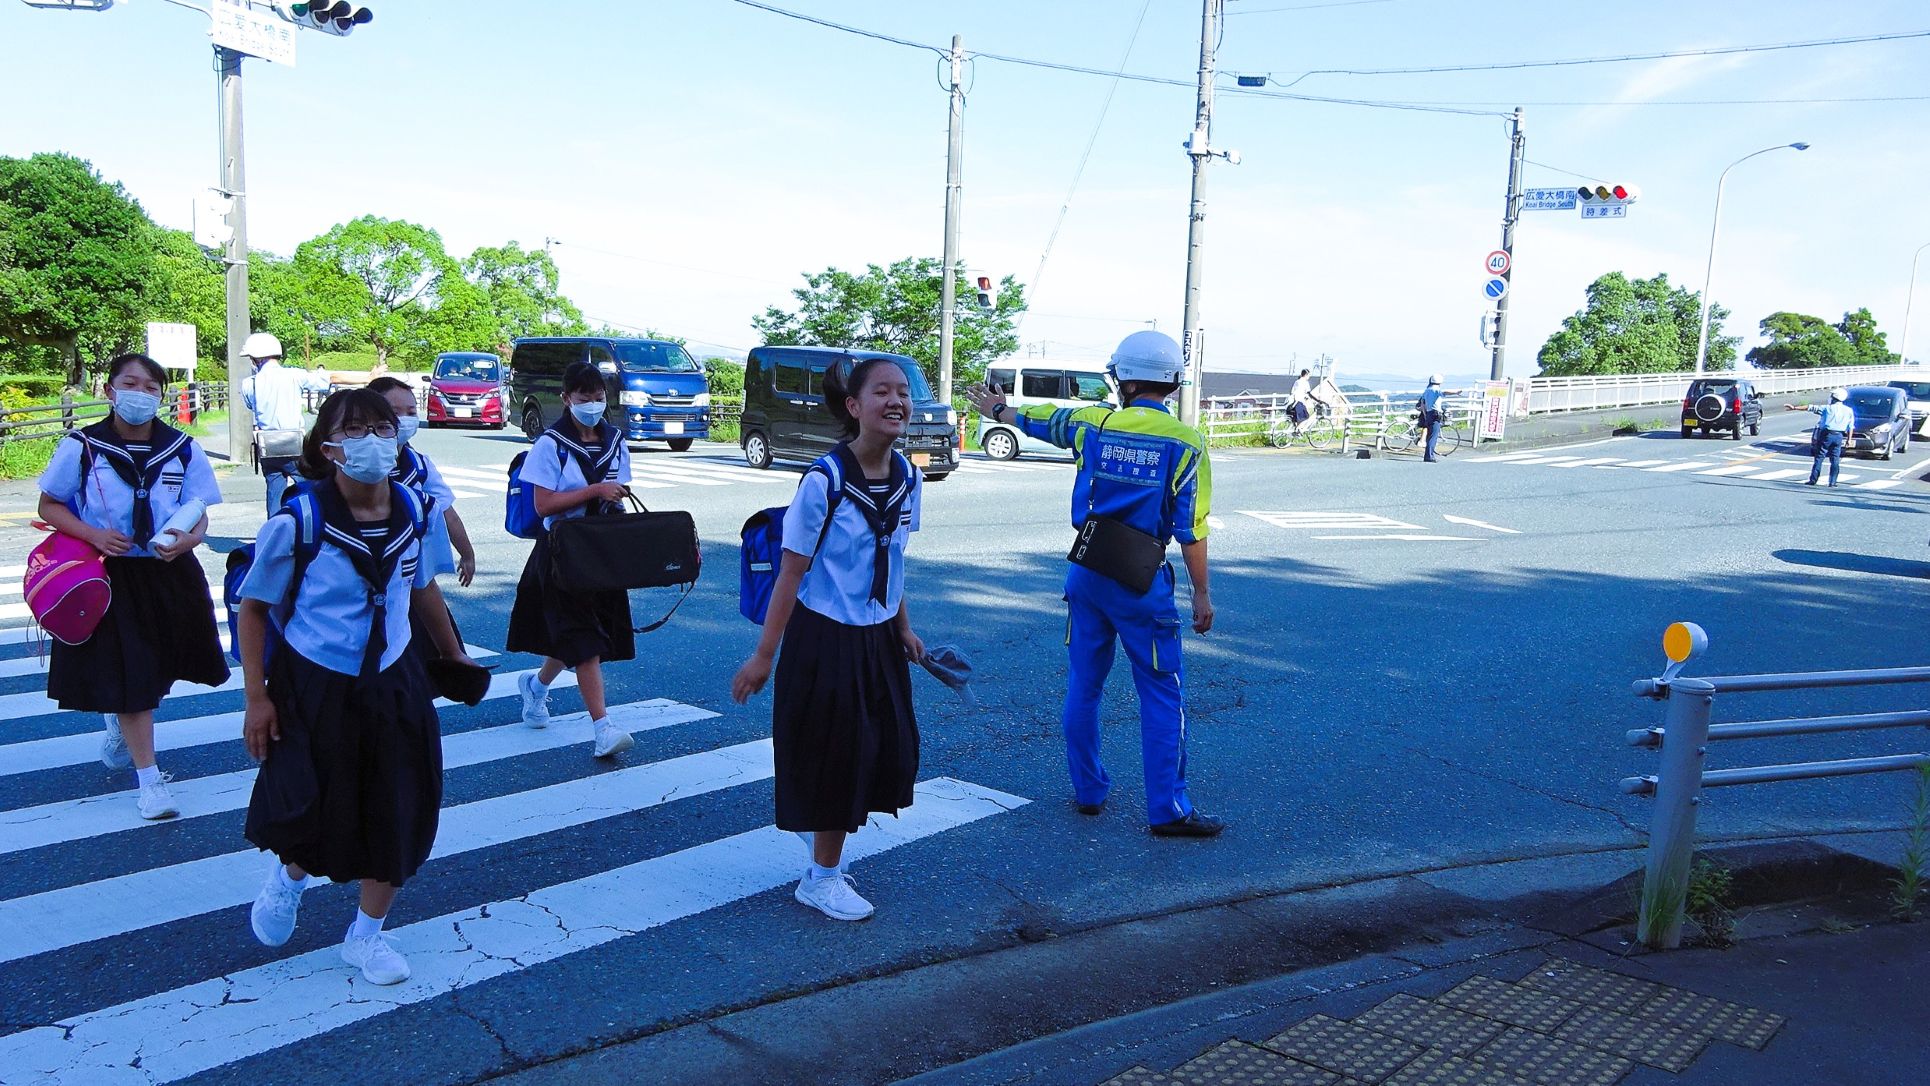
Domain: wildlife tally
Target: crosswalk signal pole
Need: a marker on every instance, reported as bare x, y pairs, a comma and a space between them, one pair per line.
948, 290
1199, 148
1518, 147
234, 185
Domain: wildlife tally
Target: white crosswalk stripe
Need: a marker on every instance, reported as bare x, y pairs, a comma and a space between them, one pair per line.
1756, 469
495, 926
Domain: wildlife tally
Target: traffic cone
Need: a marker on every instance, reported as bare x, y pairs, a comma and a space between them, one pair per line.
182, 415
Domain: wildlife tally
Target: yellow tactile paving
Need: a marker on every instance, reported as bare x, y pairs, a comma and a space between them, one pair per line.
1355, 1051
1551, 1061
1436, 1068
1236, 1063
1430, 1024
1640, 1039
1510, 1003
1596, 987
1732, 1022
1139, 1076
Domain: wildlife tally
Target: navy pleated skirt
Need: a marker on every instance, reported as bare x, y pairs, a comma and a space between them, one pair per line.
159, 629
569, 626
843, 733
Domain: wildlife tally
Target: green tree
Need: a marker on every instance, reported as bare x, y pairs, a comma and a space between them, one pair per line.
1798, 341
726, 377
1867, 345
518, 295
897, 309
77, 260
397, 274
1636, 326
190, 288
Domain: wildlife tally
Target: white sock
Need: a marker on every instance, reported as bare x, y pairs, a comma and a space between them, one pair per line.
365, 925
818, 872
150, 775
599, 722
537, 685
297, 885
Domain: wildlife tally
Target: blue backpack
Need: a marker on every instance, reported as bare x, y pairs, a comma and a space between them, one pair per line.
520, 518
761, 545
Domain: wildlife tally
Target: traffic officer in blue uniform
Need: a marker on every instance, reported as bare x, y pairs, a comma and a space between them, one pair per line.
1143, 480
1833, 428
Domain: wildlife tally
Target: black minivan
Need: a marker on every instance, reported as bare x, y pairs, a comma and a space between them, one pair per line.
785, 417
657, 391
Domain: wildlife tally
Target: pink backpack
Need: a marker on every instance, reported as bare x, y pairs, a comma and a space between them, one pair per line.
66, 587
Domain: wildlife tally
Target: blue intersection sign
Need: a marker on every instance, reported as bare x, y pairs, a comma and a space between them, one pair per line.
1548, 199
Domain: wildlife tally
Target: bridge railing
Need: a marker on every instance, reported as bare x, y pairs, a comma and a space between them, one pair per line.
1552, 394
1363, 416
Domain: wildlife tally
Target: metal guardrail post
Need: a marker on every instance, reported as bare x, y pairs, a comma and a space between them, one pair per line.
1678, 792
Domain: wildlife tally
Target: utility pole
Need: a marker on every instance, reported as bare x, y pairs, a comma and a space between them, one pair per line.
1199, 149
954, 161
1518, 148
234, 185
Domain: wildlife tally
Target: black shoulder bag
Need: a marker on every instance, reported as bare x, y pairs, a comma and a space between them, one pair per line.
621, 551
1112, 548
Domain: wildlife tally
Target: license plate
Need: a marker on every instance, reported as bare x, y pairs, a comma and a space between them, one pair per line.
921, 459
461, 412
1689, 423
673, 427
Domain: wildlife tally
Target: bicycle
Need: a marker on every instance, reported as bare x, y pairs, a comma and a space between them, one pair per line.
1320, 430
1404, 437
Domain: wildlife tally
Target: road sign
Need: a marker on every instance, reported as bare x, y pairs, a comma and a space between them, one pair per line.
1605, 211
172, 345
1499, 262
1548, 199
245, 30
1496, 288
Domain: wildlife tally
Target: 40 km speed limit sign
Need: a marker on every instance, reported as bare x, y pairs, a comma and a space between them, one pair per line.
1499, 262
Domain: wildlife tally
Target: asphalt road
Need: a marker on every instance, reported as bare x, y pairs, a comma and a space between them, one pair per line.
1415, 666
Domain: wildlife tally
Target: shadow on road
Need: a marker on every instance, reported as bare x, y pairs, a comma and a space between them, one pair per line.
1856, 563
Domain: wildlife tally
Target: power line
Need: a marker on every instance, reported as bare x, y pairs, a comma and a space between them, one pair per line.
1308, 7
1558, 169
846, 27
1706, 101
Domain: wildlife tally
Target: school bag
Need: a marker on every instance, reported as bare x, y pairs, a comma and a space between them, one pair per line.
66, 587
761, 543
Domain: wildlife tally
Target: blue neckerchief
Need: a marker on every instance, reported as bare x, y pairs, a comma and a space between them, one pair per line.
881, 516
140, 471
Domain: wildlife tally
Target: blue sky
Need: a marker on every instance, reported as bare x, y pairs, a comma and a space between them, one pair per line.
692, 158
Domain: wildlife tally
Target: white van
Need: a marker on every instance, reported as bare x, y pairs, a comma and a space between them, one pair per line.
1028, 381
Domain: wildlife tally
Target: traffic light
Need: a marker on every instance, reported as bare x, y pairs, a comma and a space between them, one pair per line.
336, 17
1606, 201
985, 290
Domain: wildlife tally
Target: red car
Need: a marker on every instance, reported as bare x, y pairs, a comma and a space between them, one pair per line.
466, 389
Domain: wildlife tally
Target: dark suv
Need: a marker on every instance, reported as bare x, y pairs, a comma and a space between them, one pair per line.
785, 417
1714, 404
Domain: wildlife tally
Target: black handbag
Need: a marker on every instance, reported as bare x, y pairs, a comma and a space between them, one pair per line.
1113, 548
623, 550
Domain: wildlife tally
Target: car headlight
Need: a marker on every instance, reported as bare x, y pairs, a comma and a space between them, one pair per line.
702, 399
634, 399
951, 417
1880, 431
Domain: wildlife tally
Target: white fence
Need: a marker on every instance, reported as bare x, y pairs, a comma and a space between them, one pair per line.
1363, 416
1536, 395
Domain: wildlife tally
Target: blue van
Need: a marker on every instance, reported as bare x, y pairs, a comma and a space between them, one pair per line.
657, 391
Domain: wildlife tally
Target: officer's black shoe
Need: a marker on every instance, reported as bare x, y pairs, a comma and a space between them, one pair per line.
1193, 825
1812, 482
1089, 808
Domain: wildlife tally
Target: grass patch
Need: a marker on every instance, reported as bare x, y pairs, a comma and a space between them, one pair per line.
1907, 888
1627, 426
26, 459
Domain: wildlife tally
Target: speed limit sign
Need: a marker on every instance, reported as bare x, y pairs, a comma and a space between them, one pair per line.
1499, 261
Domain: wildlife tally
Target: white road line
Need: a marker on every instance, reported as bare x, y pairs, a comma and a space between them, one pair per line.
1641, 463
1496, 458
731, 471
13, 571
1309, 519
1732, 469
1781, 473
478, 495
674, 477
76, 819
494, 478
1880, 484
1472, 523
502, 468
178, 1034
62, 750
1592, 462
1684, 465
1547, 460
37, 703
1403, 538
73, 915
37, 664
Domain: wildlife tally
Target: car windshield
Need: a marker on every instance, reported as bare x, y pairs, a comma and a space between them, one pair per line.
655, 358
1916, 390
1871, 403
469, 369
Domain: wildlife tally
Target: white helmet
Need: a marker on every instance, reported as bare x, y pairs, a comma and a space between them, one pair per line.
1838, 395
1434, 380
1148, 356
261, 345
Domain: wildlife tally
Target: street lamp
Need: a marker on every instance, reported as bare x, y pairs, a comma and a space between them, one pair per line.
1909, 300
1702, 337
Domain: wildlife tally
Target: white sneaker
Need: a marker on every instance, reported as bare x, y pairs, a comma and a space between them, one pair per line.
375, 956
536, 707
114, 753
611, 740
834, 898
157, 802
273, 916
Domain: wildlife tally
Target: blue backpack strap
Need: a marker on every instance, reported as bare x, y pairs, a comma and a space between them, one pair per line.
834, 491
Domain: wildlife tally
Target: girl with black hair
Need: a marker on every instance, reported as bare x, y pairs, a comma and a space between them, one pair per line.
844, 735
340, 713
577, 468
117, 485
415, 470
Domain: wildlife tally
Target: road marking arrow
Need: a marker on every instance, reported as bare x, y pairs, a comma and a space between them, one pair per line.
1452, 519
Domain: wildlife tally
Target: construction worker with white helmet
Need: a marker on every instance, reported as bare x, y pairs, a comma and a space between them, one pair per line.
274, 394
1833, 430
1143, 480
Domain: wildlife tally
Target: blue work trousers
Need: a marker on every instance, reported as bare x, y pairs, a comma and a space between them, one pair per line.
1829, 444
1101, 610
1433, 433
277, 469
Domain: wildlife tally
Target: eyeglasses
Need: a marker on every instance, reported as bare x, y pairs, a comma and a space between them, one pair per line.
353, 430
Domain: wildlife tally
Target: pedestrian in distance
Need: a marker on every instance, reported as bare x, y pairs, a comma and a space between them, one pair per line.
844, 735
415, 470
273, 393
1143, 480
1834, 427
1429, 405
1297, 398
577, 468
118, 485
339, 711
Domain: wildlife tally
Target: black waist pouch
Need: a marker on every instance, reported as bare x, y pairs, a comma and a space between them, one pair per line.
1113, 548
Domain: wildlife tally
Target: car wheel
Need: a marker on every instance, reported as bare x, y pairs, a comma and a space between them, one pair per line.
1001, 445
1755, 428
1687, 432
681, 444
1735, 432
757, 450
532, 422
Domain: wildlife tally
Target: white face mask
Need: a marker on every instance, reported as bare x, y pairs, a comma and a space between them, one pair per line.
366, 459
588, 414
136, 408
405, 428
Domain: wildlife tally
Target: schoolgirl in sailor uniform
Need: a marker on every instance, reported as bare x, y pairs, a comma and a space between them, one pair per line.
844, 735
415, 470
577, 468
340, 713
116, 484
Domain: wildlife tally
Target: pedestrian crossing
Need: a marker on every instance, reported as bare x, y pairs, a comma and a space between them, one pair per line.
487, 482
1759, 469
525, 801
